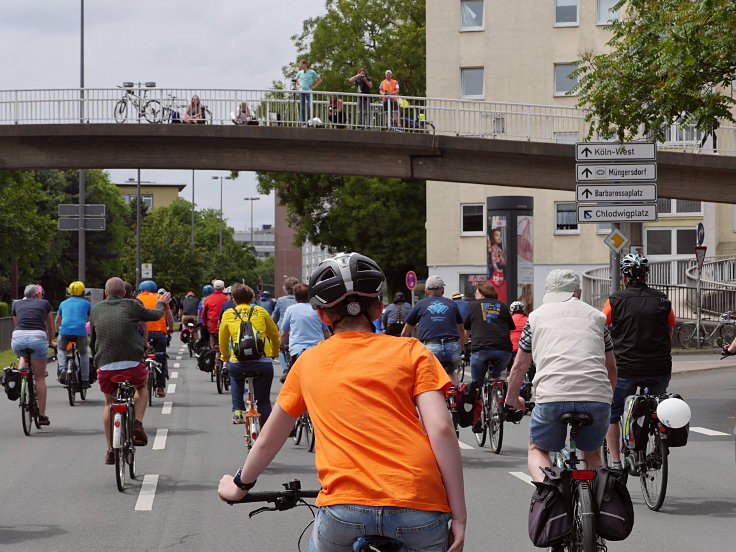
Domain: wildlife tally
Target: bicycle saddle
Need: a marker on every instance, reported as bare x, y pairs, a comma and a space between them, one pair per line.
248, 374
28, 351
576, 418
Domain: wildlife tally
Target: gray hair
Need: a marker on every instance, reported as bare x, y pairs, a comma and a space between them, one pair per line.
30, 291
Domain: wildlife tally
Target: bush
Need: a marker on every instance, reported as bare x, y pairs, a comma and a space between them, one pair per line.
4, 310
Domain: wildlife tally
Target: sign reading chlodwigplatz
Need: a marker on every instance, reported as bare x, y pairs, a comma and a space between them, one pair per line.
615, 193
607, 151
644, 212
615, 172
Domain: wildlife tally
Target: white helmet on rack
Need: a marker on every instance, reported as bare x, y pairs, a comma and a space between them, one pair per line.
673, 412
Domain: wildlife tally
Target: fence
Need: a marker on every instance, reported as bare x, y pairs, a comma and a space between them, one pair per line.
6, 331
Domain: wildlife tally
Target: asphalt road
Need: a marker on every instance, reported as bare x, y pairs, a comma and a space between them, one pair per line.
56, 493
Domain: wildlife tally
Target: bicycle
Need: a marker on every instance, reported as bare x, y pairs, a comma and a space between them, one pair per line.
154, 368
149, 109
73, 382
122, 416
29, 409
190, 341
220, 374
688, 332
304, 426
251, 416
294, 496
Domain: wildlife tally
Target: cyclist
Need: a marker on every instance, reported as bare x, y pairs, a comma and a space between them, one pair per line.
642, 322
440, 325
230, 303
211, 310
461, 303
283, 303
188, 313
229, 331
207, 290
576, 372
394, 316
34, 329
71, 323
266, 302
158, 330
301, 328
381, 466
118, 349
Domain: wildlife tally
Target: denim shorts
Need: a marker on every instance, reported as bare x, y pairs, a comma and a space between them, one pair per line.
548, 433
627, 386
336, 527
38, 343
448, 353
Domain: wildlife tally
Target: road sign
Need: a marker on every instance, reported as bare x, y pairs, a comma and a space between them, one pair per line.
607, 151
615, 193
146, 270
615, 172
616, 240
411, 279
90, 210
72, 223
700, 255
643, 212
701, 233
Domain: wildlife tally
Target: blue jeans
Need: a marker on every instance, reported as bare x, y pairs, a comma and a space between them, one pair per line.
305, 102
39, 344
627, 386
82, 347
448, 353
336, 527
261, 385
478, 363
548, 433
158, 340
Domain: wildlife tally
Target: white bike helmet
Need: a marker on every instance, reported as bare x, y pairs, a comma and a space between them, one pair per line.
344, 275
516, 307
673, 412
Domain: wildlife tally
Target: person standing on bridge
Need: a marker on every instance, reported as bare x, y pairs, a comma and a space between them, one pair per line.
390, 90
307, 80
364, 84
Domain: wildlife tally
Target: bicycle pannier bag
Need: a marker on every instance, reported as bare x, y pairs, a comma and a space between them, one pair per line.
550, 511
635, 422
206, 360
676, 437
184, 335
615, 516
11, 382
250, 344
467, 394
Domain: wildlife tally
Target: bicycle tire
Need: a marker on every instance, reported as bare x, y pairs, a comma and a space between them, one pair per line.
120, 452
310, 434
129, 446
120, 112
218, 378
226, 380
151, 388
461, 370
297, 437
152, 111
82, 393
71, 377
654, 471
25, 407
687, 335
495, 422
584, 519
480, 438
727, 333
191, 349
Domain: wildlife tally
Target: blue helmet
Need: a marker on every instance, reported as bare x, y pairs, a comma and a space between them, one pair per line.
265, 294
207, 290
148, 285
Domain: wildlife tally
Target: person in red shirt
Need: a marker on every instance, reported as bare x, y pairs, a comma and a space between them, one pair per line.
211, 310
520, 318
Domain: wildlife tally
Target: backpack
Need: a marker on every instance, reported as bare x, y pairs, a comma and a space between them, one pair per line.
550, 511
250, 345
206, 359
467, 394
11, 382
676, 437
395, 327
615, 511
635, 422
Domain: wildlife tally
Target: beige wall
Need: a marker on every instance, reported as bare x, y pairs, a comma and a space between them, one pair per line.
162, 195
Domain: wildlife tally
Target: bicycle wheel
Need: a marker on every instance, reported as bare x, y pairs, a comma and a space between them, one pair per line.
654, 471
82, 390
309, 428
495, 422
71, 381
584, 519
218, 378
297, 435
129, 447
152, 111
191, 348
120, 453
226, 379
25, 407
688, 335
728, 333
462, 365
121, 111
480, 438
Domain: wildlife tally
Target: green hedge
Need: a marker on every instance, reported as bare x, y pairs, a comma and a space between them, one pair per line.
4, 310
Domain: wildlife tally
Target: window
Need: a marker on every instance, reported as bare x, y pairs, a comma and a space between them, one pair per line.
565, 137
670, 241
146, 199
471, 15
606, 13
681, 207
471, 82
566, 12
563, 82
603, 228
472, 219
566, 218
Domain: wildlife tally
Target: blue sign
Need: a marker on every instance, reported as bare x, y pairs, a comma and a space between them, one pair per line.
701, 233
411, 279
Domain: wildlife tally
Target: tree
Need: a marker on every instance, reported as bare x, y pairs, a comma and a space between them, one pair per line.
670, 61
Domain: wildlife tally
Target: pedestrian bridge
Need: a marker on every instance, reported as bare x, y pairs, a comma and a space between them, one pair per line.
528, 146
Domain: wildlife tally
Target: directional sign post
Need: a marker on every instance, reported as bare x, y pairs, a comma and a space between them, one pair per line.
69, 223
639, 212
146, 270
616, 172
607, 151
94, 216
615, 193
699, 258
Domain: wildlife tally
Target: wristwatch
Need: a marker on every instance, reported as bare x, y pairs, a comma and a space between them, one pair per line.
240, 485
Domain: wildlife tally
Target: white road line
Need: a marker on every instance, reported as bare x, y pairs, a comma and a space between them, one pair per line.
168, 405
709, 432
464, 445
174, 375
526, 478
159, 443
177, 364
147, 493
171, 389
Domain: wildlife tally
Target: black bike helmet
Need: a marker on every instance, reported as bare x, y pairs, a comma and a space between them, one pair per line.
516, 307
634, 266
344, 275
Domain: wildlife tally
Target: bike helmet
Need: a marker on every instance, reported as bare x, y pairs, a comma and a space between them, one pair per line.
207, 290
148, 285
76, 289
228, 290
343, 275
190, 294
161, 291
673, 412
634, 266
265, 294
516, 307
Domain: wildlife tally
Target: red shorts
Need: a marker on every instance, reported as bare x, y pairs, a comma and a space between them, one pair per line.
137, 376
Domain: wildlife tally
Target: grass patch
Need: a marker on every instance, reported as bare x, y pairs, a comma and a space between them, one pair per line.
8, 357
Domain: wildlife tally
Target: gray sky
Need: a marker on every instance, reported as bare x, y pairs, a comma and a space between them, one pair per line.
177, 43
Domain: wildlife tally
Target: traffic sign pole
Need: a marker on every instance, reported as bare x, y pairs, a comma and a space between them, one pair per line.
615, 265
700, 258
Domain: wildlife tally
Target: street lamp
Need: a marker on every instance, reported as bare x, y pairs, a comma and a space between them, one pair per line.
221, 179
251, 199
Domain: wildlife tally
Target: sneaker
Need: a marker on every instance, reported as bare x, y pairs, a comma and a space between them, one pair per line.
62, 377
140, 439
43, 421
477, 427
238, 417
283, 376
85, 385
110, 457
160, 392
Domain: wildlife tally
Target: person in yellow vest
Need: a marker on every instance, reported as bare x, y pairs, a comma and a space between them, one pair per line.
390, 90
158, 330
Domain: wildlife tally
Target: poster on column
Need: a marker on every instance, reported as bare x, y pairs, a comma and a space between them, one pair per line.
525, 261
497, 240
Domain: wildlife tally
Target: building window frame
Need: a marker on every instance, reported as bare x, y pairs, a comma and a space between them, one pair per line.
600, 21
473, 28
472, 233
566, 231
462, 83
556, 23
146, 199
558, 93
673, 213
601, 228
673, 242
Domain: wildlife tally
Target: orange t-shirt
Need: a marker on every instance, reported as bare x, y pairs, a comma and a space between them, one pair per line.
149, 301
371, 448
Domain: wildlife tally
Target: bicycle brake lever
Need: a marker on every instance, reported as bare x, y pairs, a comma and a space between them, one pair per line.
261, 510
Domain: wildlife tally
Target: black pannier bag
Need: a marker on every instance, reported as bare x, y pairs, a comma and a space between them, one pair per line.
550, 511
11, 382
467, 394
615, 511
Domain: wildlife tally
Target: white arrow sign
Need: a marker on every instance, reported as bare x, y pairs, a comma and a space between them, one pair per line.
617, 213
606, 151
615, 193
615, 173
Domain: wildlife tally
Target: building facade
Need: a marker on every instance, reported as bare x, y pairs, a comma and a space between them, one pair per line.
152, 194
263, 240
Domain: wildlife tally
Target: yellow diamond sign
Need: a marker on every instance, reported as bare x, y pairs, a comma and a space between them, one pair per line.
616, 240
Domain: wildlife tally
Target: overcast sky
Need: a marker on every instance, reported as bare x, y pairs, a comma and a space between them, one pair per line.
239, 44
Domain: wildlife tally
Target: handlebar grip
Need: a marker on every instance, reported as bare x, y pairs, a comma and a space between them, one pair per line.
272, 496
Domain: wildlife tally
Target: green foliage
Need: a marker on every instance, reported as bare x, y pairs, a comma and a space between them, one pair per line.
264, 271
670, 61
4, 310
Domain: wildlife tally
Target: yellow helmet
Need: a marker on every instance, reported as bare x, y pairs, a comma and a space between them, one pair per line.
76, 288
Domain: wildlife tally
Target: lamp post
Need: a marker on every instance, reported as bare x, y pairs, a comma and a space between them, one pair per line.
82, 173
192, 207
251, 199
221, 179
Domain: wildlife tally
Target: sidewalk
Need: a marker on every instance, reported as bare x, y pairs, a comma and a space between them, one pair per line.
695, 361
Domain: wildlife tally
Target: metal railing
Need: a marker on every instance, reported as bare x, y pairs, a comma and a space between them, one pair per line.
470, 118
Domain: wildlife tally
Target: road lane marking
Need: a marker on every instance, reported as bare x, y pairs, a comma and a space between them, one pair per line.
174, 375
159, 443
147, 493
526, 478
709, 432
177, 364
168, 405
171, 389
464, 445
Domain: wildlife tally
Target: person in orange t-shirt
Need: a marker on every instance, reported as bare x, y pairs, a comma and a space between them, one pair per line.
158, 330
387, 456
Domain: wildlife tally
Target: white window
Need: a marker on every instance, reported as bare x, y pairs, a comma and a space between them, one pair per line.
471, 82
472, 219
566, 218
566, 12
471, 15
563, 82
606, 13
603, 228
679, 207
146, 199
669, 241
565, 137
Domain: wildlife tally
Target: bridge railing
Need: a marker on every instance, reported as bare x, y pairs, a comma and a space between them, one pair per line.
471, 118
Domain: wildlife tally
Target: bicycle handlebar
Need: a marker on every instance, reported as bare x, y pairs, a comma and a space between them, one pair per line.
275, 496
